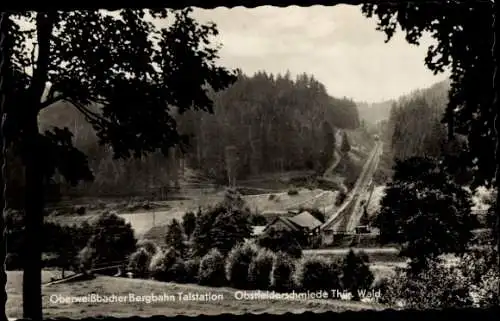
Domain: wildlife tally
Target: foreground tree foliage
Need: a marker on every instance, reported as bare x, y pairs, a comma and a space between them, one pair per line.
259, 271
139, 262
60, 242
175, 237
122, 73
469, 58
482, 274
281, 240
112, 239
238, 263
425, 212
282, 273
470, 110
212, 269
167, 266
356, 274
316, 273
221, 227
436, 287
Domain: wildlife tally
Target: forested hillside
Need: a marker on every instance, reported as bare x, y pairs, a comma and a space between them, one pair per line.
274, 124
414, 128
261, 124
415, 122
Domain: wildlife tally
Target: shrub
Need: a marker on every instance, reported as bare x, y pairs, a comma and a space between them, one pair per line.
356, 274
317, 273
280, 240
271, 197
149, 246
211, 271
293, 191
387, 287
237, 264
282, 272
486, 290
178, 271
112, 239
221, 227
192, 267
139, 262
435, 287
163, 266
259, 271
481, 271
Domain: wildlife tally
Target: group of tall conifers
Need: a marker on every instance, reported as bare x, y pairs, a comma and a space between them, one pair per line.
273, 122
415, 123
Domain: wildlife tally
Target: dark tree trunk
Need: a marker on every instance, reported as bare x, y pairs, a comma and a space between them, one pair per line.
33, 158
4, 18
32, 278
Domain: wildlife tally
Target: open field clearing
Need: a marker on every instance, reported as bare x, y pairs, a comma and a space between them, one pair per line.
281, 201
143, 221
106, 286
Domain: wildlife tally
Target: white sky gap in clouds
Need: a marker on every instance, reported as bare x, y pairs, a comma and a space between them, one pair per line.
336, 44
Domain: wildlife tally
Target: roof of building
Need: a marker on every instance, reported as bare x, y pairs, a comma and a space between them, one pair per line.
306, 220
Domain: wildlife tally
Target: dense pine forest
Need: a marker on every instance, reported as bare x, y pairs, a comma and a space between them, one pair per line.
414, 128
261, 124
415, 122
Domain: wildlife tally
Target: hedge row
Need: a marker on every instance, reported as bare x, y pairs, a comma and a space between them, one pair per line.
248, 266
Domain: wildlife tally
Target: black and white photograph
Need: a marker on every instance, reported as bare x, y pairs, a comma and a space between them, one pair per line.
249, 160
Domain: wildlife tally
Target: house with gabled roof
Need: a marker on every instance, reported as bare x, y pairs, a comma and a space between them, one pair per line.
304, 223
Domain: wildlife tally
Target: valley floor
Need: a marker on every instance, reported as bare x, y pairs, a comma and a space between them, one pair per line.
143, 221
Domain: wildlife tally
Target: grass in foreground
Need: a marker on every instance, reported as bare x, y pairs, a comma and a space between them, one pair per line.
120, 286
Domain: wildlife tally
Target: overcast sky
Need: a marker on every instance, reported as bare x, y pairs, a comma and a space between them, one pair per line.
337, 44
